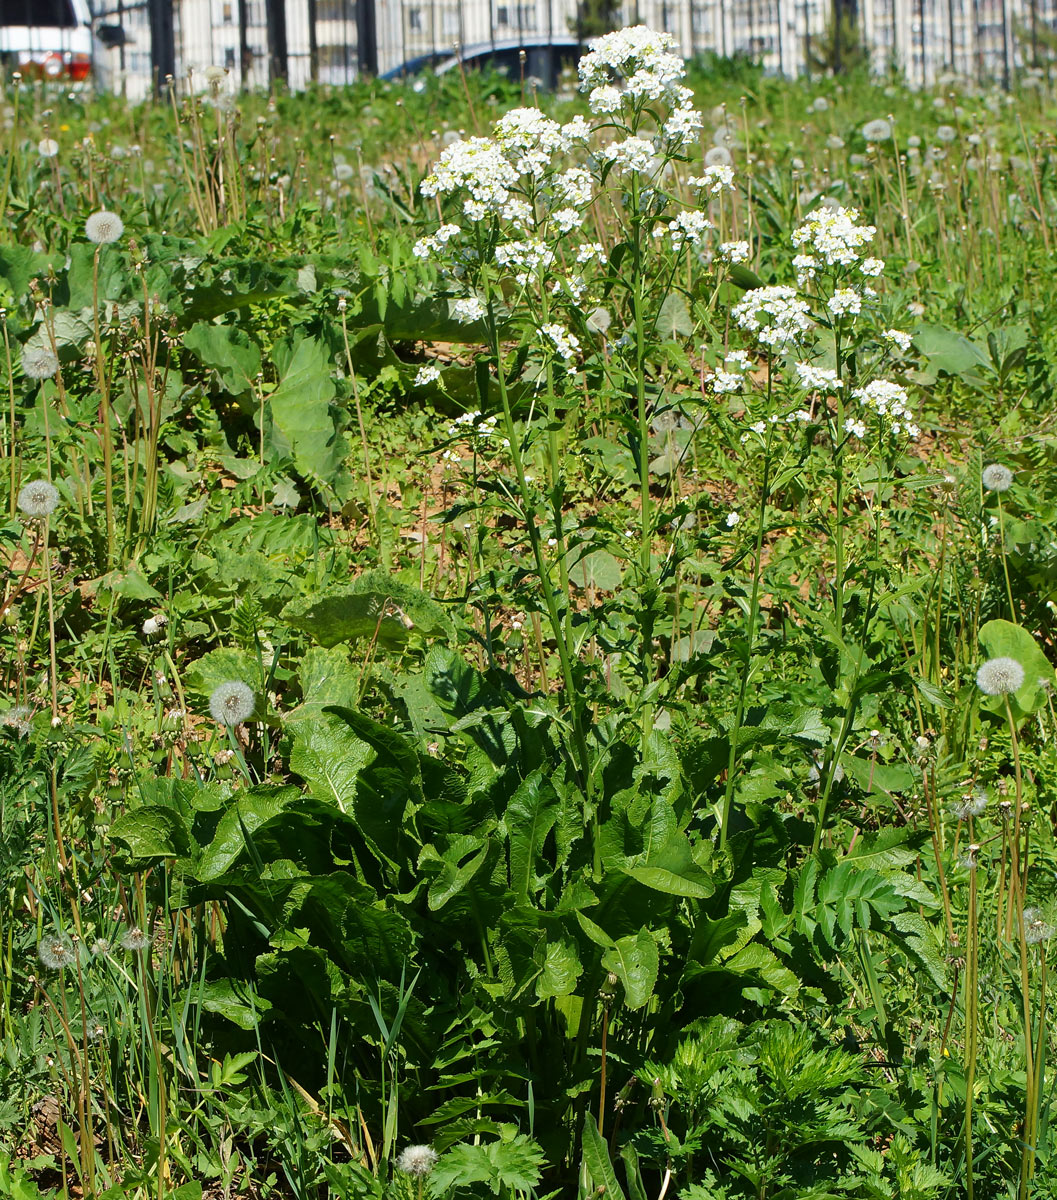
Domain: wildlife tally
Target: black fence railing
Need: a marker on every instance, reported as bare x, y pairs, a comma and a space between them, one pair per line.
260, 42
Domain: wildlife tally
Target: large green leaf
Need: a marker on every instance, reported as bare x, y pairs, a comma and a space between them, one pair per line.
635, 961
227, 350
304, 424
329, 757
375, 606
560, 970
598, 1163
1003, 639
240, 821
530, 816
152, 831
672, 869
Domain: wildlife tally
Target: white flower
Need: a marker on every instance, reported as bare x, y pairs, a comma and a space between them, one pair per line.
718, 177
818, 379
38, 499
155, 624
997, 478
688, 228
634, 154
726, 381
529, 140
567, 219
605, 99
1000, 676
427, 246
232, 703
834, 235
898, 338
872, 266
38, 362
467, 310
103, 227
855, 427
565, 343
889, 401
643, 58
478, 166
575, 186
844, 301
734, 252
776, 315
426, 375
732, 519
681, 126
805, 266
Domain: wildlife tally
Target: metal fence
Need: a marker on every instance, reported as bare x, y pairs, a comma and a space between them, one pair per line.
260, 42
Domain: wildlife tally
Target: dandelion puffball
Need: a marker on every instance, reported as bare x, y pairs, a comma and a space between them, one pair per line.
1036, 928
232, 703
417, 1160
878, 130
997, 478
1000, 676
38, 362
56, 951
47, 147
38, 499
103, 227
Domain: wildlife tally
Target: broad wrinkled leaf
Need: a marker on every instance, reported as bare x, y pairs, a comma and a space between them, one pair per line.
375, 606
530, 815
635, 962
672, 869
304, 424
227, 350
329, 757
243, 818
153, 831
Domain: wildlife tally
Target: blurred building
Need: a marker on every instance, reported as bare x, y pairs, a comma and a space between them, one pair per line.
333, 41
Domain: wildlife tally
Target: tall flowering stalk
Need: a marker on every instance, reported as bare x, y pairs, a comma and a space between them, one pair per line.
522, 263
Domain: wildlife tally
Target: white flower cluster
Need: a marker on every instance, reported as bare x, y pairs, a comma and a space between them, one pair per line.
634, 154
526, 258
716, 179
776, 315
818, 379
575, 186
845, 301
473, 423
645, 60
565, 344
734, 252
529, 140
688, 228
434, 243
427, 375
889, 401
478, 166
898, 338
834, 236
468, 309
730, 377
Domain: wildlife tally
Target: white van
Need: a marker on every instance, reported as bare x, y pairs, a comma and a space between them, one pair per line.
50, 39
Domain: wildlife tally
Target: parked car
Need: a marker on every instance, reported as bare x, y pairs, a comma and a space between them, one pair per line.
51, 39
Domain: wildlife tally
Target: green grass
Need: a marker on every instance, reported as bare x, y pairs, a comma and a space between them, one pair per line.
618, 807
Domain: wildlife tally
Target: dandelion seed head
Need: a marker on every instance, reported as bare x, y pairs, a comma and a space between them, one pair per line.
135, 939
103, 227
416, 1160
38, 362
877, 130
47, 147
997, 478
38, 499
56, 952
1000, 676
1036, 929
232, 702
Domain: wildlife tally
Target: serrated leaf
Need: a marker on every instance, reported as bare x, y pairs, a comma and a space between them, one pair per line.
243, 818
559, 972
673, 870
329, 757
